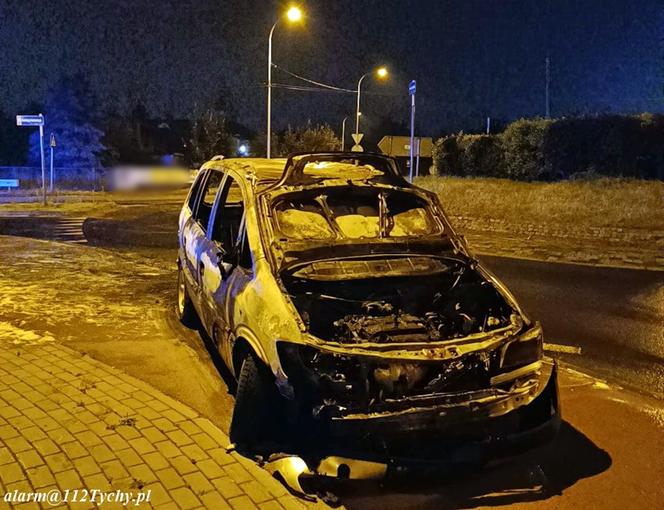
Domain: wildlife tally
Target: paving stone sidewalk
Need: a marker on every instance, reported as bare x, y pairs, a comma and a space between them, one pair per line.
68, 421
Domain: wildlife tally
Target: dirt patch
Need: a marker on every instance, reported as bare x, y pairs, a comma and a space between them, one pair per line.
149, 229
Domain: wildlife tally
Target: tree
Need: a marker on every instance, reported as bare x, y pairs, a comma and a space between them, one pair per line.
67, 115
210, 136
13, 141
309, 138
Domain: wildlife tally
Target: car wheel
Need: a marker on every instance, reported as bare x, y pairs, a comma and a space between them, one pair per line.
185, 308
256, 416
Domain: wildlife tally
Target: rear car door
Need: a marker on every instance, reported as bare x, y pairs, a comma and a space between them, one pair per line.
194, 232
185, 227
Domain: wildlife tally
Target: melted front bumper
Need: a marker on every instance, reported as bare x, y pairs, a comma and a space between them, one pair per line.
456, 428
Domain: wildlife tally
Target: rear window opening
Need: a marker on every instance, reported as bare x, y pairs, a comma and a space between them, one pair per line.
354, 214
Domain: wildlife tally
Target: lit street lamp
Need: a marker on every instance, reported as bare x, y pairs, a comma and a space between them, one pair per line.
381, 72
293, 15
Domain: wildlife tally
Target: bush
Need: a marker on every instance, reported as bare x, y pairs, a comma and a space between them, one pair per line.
482, 155
539, 149
522, 148
468, 155
446, 156
309, 139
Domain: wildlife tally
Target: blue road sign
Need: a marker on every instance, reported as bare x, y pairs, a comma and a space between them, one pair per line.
29, 120
411, 87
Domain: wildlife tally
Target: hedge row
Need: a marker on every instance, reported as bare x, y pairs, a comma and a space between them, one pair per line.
540, 149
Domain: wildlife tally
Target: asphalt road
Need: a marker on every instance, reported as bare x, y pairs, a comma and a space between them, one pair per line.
616, 316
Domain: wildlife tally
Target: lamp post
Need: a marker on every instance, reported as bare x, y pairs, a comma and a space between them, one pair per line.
294, 14
381, 72
343, 134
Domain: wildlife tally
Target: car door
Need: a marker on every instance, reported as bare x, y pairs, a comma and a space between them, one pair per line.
194, 233
186, 223
226, 262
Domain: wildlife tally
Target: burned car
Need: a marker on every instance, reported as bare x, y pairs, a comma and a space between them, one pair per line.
345, 304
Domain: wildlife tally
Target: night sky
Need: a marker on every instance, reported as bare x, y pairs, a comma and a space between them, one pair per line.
472, 58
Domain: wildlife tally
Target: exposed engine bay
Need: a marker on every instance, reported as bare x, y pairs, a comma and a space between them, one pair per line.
451, 302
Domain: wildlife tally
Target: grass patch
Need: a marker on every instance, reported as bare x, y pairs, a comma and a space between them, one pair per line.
605, 202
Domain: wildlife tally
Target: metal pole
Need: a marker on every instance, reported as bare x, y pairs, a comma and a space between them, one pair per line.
417, 164
41, 154
269, 93
547, 106
343, 134
50, 183
412, 135
357, 110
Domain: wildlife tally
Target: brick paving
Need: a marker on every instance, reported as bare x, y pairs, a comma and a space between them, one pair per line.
68, 421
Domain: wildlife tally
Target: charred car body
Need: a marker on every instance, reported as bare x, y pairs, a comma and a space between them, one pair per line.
343, 301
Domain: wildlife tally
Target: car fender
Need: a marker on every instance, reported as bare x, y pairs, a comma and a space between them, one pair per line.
246, 335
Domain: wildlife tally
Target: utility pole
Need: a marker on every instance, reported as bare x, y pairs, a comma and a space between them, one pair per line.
547, 98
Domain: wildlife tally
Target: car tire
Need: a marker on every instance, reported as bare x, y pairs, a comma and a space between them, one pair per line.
256, 415
184, 307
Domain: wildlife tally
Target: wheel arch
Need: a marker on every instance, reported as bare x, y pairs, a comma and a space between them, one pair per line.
242, 347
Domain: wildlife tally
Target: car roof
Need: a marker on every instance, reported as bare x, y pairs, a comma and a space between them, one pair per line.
260, 171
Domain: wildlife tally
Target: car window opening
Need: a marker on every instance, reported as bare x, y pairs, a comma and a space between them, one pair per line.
229, 225
355, 215
206, 200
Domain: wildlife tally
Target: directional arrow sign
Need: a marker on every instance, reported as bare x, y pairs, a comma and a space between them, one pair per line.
29, 120
357, 137
399, 146
385, 145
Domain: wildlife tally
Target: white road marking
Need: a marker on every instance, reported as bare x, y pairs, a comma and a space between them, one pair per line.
569, 349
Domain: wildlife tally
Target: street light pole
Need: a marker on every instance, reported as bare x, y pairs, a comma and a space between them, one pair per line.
357, 110
343, 134
293, 15
269, 91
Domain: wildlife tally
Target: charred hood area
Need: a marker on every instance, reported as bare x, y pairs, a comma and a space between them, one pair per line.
450, 300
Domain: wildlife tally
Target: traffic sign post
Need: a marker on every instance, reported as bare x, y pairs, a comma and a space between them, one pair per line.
52, 145
412, 86
357, 138
36, 121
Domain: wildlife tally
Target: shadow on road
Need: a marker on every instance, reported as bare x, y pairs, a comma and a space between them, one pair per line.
571, 458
